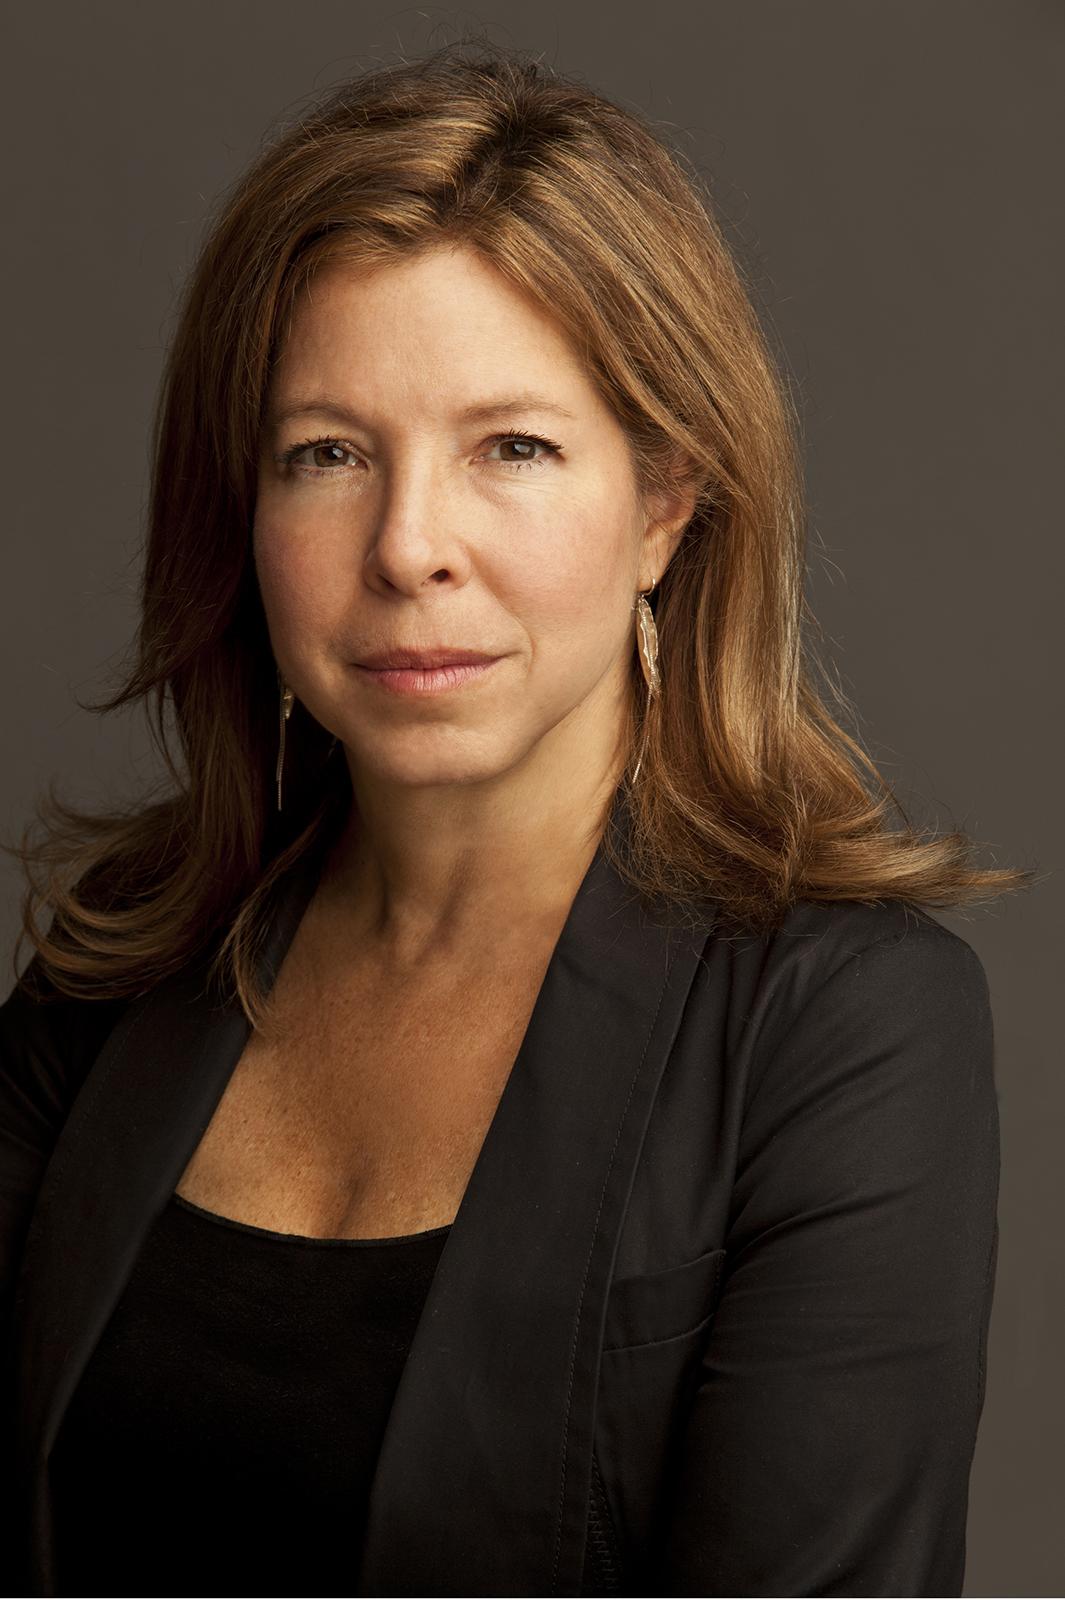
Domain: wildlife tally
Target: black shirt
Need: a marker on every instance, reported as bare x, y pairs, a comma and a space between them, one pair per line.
223, 1436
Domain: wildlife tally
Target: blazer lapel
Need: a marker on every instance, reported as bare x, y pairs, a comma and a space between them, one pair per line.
483, 1478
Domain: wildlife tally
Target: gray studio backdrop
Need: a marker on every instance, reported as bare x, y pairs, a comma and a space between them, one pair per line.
887, 171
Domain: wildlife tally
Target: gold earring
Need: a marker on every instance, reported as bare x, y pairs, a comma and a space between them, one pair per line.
647, 644
287, 698
647, 641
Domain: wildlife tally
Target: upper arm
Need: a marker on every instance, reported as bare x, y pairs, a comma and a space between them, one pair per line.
46, 1048
29, 1094
47, 1042
830, 1439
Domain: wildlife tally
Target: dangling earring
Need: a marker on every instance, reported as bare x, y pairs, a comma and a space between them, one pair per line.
287, 698
647, 640
647, 644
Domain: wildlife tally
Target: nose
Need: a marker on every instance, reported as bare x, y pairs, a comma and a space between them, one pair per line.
412, 540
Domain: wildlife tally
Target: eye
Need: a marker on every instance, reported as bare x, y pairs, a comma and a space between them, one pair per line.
325, 448
526, 442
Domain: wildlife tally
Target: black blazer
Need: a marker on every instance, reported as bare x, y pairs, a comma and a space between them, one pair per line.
712, 1316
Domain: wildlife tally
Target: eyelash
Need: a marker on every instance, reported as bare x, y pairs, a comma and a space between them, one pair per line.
288, 457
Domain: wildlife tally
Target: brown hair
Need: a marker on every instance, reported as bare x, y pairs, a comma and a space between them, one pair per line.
749, 790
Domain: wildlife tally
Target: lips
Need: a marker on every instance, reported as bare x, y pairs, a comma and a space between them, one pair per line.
424, 660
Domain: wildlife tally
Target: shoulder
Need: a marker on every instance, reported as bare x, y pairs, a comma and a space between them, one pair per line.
48, 1041
840, 929
846, 981
882, 944
860, 1070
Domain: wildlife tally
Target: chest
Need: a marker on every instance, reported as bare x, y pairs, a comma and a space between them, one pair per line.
360, 1113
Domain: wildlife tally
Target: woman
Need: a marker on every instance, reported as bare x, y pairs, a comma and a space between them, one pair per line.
504, 1123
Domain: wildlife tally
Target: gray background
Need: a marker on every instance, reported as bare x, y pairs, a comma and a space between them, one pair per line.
887, 172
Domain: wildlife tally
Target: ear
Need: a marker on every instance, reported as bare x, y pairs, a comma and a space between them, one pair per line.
667, 517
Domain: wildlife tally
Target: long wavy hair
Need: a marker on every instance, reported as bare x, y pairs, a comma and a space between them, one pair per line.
750, 791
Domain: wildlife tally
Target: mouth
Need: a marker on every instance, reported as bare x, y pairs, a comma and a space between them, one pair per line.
421, 680
426, 659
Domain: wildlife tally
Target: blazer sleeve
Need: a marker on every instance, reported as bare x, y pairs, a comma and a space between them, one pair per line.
47, 1044
829, 1444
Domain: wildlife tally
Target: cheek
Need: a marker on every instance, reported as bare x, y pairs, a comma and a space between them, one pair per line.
578, 576
297, 582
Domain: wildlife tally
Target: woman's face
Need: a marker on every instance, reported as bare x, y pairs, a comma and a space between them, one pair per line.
396, 508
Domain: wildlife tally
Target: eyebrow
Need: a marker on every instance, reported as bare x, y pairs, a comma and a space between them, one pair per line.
482, 411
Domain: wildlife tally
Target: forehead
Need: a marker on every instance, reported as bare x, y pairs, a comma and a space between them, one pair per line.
444, 329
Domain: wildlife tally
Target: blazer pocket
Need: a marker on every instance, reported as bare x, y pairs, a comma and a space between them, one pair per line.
653, 1306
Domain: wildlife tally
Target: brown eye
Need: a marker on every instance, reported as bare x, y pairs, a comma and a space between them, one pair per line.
324, 454
328, 455
318, 458
524, 446
525, 449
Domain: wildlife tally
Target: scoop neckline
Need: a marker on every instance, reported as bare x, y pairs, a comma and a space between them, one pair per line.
304, 1239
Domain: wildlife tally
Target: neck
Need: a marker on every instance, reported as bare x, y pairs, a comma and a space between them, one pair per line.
425, 872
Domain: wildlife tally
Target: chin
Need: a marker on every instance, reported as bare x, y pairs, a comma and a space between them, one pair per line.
421, 769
